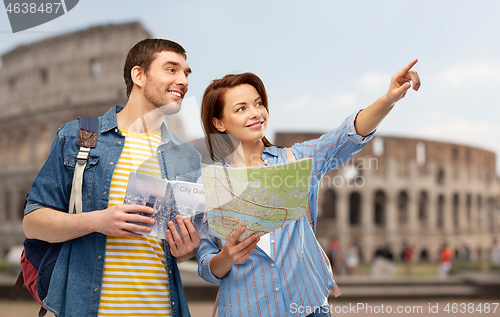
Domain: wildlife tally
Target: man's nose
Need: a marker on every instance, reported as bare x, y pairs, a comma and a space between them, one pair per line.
182, 79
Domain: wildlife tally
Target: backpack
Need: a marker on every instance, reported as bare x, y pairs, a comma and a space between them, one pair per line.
39, 257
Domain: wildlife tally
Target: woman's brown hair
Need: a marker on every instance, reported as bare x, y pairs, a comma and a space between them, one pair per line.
212, 104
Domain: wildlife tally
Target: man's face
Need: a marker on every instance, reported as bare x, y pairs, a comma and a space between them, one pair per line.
166, 81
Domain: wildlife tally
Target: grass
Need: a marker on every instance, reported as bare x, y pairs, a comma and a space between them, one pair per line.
3, 266
432, 269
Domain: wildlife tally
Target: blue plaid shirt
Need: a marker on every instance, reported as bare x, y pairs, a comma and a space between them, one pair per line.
296, 274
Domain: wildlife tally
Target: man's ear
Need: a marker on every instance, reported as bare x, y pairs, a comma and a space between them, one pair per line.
218, 125
138, 76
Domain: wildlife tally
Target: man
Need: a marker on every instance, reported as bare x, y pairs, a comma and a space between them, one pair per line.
104, 268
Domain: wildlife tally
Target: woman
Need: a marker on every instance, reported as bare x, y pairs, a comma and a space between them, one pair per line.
292, 278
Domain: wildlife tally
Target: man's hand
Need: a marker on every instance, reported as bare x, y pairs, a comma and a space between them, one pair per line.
182, 247
117, 220
400, 83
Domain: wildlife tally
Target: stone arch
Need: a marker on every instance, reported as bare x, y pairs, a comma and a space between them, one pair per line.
468, 209
479, 209
456, 210
440, 212
22, 198
440, 177
329, 204
491, 214
355, 208
379, 212
423, 205
403, 207
24, 148
424, 255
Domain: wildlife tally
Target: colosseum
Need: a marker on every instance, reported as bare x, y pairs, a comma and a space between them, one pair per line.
404, 190
396, 190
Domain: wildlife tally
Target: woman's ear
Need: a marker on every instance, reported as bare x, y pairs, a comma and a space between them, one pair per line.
218, 125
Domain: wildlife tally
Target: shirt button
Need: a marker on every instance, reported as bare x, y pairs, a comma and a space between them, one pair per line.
173, 303
111, 163
277, 289
99, 257
116, 130
105, 193
272, 264
119, 142
272, 241
96, 289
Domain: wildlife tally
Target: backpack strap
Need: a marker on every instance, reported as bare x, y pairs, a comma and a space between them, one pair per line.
87, 138
18, 286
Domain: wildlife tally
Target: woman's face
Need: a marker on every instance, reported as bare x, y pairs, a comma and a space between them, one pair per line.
244, 114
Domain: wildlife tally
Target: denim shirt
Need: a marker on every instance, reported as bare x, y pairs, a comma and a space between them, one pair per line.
76, 281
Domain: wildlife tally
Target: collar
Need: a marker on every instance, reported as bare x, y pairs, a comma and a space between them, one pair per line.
166, 135
271, 150
109, 123
109, 119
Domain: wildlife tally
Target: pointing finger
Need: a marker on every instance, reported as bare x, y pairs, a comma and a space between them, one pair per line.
405, 69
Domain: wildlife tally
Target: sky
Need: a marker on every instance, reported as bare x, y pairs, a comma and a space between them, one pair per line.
323, 60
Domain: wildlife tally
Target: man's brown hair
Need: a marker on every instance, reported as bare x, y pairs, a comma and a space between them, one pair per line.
143, 53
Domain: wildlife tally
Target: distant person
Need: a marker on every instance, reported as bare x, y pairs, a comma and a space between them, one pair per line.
465, 252
253, 283
336, 256
407, 257
352, 259
104, 269
445, 260
383, 263
495, 253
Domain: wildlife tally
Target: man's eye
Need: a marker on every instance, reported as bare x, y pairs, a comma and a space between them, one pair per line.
171, 70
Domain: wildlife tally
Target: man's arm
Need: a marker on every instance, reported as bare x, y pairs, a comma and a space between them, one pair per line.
55, 226
368, 119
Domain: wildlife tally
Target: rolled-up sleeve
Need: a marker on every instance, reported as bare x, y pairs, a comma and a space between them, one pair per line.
52, 186
332, 148
204, 253
329, 151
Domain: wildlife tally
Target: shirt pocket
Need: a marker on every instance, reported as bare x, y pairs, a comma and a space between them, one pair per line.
88, 174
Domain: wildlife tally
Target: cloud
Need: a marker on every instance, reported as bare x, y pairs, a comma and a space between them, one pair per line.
463, 75
374, 81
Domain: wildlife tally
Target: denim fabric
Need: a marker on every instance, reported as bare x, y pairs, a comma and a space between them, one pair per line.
76, 281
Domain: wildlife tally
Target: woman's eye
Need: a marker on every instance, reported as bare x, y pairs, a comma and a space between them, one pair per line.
240, 109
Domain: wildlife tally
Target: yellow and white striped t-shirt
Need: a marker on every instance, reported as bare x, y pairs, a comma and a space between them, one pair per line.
135, 281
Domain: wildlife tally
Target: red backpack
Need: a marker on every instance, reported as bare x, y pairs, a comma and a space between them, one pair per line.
39, 257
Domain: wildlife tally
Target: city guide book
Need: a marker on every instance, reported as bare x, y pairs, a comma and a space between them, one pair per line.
168, 199
262, 199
